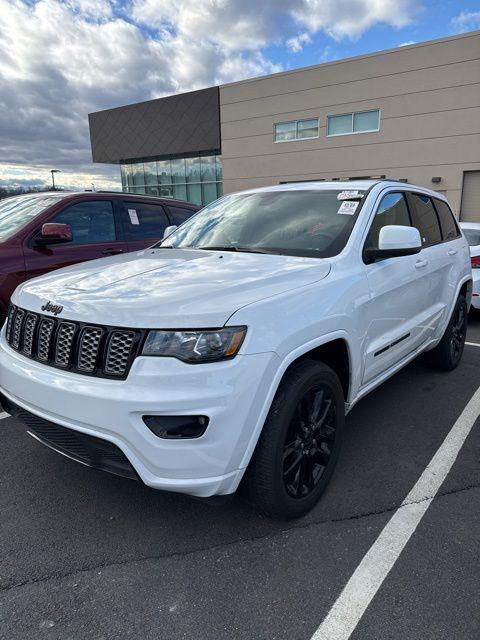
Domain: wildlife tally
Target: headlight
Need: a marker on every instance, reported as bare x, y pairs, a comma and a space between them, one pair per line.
195, 346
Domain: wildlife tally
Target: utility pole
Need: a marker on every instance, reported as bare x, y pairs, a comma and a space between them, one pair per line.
53, 172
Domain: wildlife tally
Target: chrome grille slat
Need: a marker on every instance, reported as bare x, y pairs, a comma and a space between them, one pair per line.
11, 313
63, 346
17, 328
66, 344
88, 351
44, 338
118, 352
29, 333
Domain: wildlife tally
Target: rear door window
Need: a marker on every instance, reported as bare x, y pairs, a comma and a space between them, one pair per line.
449, 226
425, 219
178, 215
92, 221
144, 221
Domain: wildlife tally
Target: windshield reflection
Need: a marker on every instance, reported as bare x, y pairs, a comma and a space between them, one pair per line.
295, 222
17, 211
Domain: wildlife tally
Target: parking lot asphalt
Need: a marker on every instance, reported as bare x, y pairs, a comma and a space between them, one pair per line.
89, 555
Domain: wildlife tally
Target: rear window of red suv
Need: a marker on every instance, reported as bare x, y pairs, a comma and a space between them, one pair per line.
16, 212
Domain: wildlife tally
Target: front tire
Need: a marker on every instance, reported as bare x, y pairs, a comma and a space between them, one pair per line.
300, 443
447, 354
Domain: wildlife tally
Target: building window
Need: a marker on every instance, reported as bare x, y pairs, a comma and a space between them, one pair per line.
296, 130
356, 122
196, 177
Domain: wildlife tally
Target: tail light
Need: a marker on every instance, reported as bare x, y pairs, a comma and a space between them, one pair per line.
475, 260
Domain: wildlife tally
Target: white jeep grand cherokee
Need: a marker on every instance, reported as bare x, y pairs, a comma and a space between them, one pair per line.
233, 349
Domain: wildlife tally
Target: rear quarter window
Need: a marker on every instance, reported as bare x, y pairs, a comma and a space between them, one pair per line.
448, 224
178, 215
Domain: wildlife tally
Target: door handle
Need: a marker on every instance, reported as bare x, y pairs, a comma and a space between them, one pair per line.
112, 252
421, 263
452, 252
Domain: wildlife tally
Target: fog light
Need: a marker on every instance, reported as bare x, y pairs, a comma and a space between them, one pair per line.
177, 427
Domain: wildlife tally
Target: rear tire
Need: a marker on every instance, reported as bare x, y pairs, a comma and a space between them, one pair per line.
447, 354
300, 443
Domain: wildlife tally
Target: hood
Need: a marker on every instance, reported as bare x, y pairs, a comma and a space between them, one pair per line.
168, 288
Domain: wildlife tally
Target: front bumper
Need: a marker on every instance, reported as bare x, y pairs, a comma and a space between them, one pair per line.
231, 393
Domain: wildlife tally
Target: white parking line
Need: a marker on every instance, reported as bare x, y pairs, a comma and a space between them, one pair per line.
4, 415
473, 344
359, 591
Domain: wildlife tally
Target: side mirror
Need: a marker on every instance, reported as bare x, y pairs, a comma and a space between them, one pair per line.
169, 230
54, 233
395, 241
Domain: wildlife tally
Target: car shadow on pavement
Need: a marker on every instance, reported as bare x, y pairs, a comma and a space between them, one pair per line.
58, 516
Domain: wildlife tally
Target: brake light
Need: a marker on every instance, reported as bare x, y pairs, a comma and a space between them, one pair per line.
475, 260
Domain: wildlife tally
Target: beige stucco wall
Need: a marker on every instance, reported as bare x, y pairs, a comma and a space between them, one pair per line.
429, 97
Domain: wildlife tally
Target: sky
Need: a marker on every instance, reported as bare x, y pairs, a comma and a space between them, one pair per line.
60, 61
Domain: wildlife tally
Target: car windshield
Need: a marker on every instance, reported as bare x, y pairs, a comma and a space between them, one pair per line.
302, 222
15, 212
472, 236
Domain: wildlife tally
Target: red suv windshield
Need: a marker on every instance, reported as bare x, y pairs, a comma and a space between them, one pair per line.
17, 211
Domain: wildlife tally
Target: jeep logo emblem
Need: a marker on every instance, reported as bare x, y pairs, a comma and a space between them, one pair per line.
53, 308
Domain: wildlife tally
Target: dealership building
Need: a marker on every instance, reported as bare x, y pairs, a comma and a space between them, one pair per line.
411, 113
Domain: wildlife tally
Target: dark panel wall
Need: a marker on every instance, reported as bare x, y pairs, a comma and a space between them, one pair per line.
184, 123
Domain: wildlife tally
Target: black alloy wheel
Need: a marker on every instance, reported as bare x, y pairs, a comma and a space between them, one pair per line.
447, 355
300, 443
309, 442
458, 332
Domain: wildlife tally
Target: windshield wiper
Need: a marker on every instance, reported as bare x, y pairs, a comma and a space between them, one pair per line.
236, 248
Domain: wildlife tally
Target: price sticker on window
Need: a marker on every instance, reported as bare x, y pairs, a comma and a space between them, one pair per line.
348, 195
133, 216
348, 207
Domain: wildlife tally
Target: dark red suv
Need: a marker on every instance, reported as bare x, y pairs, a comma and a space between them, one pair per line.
45, 231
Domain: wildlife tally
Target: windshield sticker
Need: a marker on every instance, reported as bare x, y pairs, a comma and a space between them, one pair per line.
349, 195
133, 216
348, 207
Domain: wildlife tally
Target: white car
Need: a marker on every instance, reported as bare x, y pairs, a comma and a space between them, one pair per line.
231, 351
471, 230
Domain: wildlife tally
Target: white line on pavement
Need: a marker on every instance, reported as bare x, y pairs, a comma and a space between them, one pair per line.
359, 591
4, 415
473, 344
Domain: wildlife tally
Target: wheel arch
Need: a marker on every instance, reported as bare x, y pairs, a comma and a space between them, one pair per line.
466, 290
335, 348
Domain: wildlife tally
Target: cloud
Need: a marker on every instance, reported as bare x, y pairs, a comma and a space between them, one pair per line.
351, 18
60, 61
406, 44
466, 21
26, 176
297, 43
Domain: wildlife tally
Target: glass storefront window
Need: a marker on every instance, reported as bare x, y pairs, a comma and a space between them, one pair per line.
208, 169
209, 191
150, 169
178, 170
138, 175
180, 191
194, 193
164, 171
192, 169
218, 162
127, 175
196, 177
